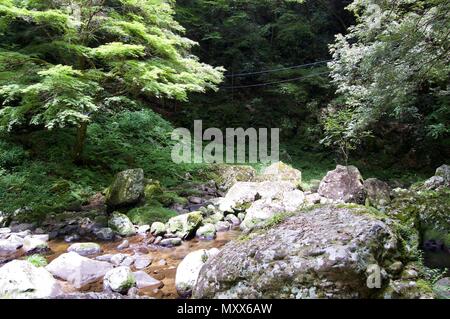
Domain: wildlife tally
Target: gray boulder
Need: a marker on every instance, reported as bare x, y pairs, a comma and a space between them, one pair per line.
126, 189
78, 270
206, 232
35, 243
442, 288
85, 249
121, 224
344, 184
282, 172
323, 253
184, 226
19, 279
444, 172
378, 192
231, 174
105, 234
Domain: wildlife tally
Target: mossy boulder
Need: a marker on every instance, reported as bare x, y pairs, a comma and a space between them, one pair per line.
158, 229
126, 189
184, 226
152, 190
121, 224
226, 176
281, 172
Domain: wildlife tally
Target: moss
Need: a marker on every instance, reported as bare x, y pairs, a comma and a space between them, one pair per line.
37, 260
424, 286
147, 215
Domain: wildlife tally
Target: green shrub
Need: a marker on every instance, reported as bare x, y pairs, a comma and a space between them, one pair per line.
37, 260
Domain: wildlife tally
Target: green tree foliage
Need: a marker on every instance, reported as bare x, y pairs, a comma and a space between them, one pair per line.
62, 62
394, 64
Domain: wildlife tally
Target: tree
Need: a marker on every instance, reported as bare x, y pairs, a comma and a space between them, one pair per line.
63, 61
394, 64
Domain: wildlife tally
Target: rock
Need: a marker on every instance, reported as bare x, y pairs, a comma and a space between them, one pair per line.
11, 244
158, 229
434, 183
144, 280
407, 289
128, 261
442, 288
5, 230
206, 232
78, 270
19, 279
233, 220
184, 226
189, 269
444, 172
35, 243
105, 234
121, 224
71, 238
378, 192
106, 257
170, 242
22, 227
344, 184
312, 199
4, 219
228, 175
195, 200
222, 227
322, 253
214, 218
85, 249
123, 245
143, 229
117, 259
126, 189
141, 262
282, 172
119, 279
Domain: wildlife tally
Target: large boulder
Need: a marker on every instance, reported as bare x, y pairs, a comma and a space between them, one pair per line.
121, 224
344, 184
119, 279
184, 226
78, 270
442, 288
20, 279
228, 175
282, 172
378, 192
126, 189
189, 268
327, 252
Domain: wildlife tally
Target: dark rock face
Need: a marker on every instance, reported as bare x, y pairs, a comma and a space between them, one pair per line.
324, 253
344, 184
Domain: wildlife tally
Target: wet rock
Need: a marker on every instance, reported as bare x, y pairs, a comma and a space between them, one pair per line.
35, 244
123, 245
189, 269
119, 279
206, 232
78, 270
158, 229
20, 279
144, 280
442, 288
328, 249
121, 224
85, 249
282, 172
170, 242
71, 238
344, 184
378, 192
126, 189
222, 226
141, 262
105, 234
184, 226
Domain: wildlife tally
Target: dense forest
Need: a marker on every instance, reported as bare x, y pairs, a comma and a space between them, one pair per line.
91, 91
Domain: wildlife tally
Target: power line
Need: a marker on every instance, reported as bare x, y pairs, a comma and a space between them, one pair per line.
277, 70
272, 83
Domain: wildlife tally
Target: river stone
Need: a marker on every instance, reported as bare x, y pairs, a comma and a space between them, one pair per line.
144, 280
141, 262
344, 184
11, 244
231, 174
78, 270
282, 172
378, 192
189, 268
123, 245
126, 189
158, 229
222, 227
119, 279
105, 234
35, 243
184, 226
233, 220
121, 224
206, 232
322, 253
170, 242
442, 288
117, 259
85, 249
20, 279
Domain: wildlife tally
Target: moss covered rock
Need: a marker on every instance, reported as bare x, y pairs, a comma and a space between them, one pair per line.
184, 226
226, 176
126, 189
281, 172
121, 224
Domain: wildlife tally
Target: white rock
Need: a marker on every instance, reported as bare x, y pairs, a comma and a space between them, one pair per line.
20, 279
189, 269
144, 280
85, 249
33, 243
78, 270
119, 279
141, 262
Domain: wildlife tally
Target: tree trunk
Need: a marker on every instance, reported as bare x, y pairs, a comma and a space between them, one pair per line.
79, 143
